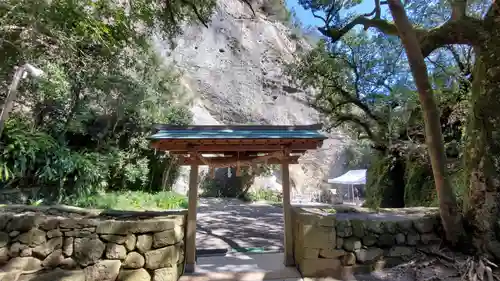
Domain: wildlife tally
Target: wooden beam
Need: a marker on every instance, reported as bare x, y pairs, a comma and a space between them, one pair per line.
238, 141
191, 220
313, 127
225, 153
287, 213
229, 160
231, 148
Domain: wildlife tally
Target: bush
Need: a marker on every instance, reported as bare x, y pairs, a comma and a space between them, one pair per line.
264, 195
31, 157
385, 183
275, 10
419, 187
233, 186
415, 179
132, 200
228, 187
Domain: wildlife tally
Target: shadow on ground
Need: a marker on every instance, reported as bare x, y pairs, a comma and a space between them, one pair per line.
231, 223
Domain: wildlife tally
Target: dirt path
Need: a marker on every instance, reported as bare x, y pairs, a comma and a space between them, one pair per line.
231, 223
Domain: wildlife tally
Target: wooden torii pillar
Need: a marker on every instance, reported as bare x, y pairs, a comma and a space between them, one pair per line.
191, 220
192, 204
287, 213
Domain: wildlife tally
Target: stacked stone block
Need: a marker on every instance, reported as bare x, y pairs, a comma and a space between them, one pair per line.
325, 245
92, 247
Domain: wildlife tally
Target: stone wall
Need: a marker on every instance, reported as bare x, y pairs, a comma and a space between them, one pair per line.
328, 244
64, 243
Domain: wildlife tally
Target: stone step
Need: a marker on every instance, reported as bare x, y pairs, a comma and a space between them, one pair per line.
242, 267
237, 276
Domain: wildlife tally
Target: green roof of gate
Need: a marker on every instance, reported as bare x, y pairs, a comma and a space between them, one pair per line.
238, 132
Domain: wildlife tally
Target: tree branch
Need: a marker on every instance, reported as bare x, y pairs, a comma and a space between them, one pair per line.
377, 9
382, 25
492, 14
466, 31
361, 106
347, 99
320, 17
196, 12
365, 127
347, 95
250, 6
170, 11
457, 59
329, 14
354, 67
458, 9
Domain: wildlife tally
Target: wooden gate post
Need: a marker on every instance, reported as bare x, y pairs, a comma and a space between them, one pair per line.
191, 220
285, 179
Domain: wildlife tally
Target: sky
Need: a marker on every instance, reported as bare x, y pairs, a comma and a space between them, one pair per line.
308, 19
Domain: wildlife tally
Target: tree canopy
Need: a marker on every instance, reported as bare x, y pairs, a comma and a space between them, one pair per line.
459, 40
83, 125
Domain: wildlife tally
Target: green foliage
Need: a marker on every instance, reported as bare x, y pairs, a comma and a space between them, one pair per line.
84, 125
417, 182
330, 211
132, 200
364, 88
358, 155
264, 195
233, 186
377, 181
299, 31
34, 158
276, 10
419, 187
458, 179
351, 90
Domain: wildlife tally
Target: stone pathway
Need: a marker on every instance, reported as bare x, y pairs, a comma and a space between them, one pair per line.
230, 223
243, 267
225, 223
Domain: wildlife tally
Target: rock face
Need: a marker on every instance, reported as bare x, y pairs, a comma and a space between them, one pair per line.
323, 242
87, 251
134, 275
74, 247
233, 74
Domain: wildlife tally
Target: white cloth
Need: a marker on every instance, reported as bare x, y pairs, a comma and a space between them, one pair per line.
352, 177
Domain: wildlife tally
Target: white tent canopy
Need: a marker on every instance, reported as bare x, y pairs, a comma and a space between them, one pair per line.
351, 177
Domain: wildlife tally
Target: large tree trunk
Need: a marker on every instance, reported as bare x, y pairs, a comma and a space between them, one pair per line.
450, 216
482, 161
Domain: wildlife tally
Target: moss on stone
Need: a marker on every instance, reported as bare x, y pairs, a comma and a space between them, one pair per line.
384, 187
419, 183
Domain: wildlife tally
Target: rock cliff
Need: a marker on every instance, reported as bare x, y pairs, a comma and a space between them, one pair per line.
233, 74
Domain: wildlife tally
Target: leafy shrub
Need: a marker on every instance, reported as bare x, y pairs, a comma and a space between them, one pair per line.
419, 183
416, 181
33, 158
232, 186
132, 200
385, 183
276, 10
82, 127
264, 195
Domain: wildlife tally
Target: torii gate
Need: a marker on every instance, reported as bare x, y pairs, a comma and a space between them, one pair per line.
236, 146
